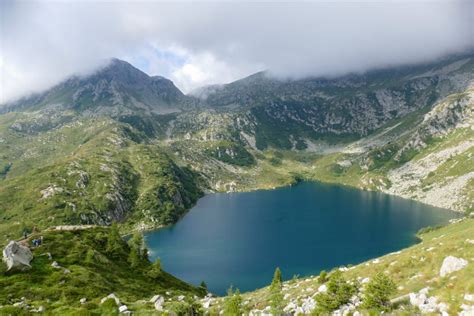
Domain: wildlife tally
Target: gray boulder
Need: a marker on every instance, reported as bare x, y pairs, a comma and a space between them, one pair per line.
16, 255
452, 264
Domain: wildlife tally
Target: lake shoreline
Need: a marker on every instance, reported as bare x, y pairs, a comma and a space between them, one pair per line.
193, 224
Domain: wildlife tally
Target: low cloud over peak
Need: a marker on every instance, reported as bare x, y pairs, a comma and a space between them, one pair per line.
195, 44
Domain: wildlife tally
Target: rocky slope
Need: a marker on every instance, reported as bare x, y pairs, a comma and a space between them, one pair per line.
332, 108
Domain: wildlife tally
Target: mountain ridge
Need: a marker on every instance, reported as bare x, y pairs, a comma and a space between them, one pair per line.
115, 89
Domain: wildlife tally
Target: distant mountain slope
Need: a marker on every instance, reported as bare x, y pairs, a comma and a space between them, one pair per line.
88, 171
116, 90
353, 105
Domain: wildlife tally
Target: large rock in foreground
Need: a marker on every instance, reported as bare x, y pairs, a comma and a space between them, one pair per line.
452, 264
16, 255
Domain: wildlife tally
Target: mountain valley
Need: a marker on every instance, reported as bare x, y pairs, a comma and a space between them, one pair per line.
121, 147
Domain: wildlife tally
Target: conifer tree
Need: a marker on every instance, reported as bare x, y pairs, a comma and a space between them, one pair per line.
155, 269
137, 243
276, 296
114, 245
377, 293
233, 303
338, 293
277, 279
133, 258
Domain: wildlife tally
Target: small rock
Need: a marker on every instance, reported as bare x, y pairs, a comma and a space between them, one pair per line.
55, 265
469, 297
112, 296
424, 290
123, 308
156, 298
207, 303
291, 307
83, 300
467, 310
323, 288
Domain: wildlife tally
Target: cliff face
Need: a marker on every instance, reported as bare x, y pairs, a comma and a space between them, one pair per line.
442, 173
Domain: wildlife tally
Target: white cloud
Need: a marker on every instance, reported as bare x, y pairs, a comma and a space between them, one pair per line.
212, 42
205, 69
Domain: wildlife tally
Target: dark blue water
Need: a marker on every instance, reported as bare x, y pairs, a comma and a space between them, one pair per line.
239, 238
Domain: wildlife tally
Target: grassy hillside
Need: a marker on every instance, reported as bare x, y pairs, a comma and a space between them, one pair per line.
94, 171
88, 268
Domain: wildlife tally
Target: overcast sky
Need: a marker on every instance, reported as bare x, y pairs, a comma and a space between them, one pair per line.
201, 43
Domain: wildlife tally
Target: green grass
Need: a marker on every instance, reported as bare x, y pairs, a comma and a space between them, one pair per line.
93, 279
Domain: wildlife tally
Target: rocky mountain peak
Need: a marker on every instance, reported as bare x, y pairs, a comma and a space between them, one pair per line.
121, 71
115, 89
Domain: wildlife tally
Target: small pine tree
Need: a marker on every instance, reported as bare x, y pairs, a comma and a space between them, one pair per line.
155, 269
377, 293
203, 285
114, 246
134, 259
277, 279
338, 292
138, 252
233, 303
137, 243
276, 296
323, 276
90, 256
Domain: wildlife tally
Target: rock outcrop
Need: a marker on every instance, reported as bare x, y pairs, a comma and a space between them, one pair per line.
16, 255
452, 264
427, 304
158, 300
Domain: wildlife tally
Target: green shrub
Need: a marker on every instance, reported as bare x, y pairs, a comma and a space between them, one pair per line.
323, 276
377, 293
339, 292
109, 307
